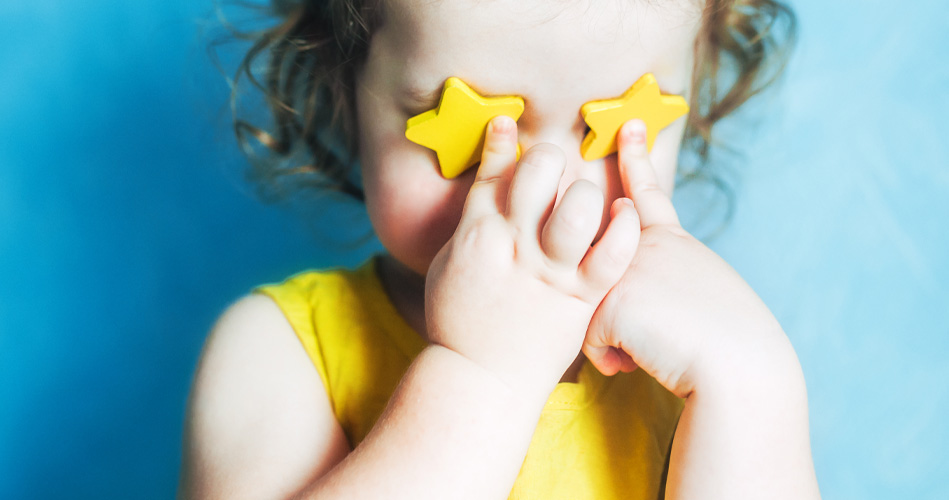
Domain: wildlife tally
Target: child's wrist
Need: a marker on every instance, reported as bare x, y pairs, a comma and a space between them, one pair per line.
527, 386
763, 364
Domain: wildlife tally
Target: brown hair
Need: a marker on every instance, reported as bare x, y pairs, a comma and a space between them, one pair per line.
309, 83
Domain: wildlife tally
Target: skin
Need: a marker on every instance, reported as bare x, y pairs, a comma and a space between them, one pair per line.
679, 311
599, 53
564, 254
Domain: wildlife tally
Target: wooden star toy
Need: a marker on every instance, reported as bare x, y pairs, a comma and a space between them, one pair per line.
456, 128
642, 101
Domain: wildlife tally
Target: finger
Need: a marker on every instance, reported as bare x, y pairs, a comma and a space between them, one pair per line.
606, 358
567, 235
639, 178
626, 364
609, 258
488, 193
534, 186
600, 353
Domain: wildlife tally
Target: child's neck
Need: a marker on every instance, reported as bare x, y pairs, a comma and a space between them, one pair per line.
406, 291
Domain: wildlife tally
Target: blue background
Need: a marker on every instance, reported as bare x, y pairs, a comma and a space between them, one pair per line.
126, 227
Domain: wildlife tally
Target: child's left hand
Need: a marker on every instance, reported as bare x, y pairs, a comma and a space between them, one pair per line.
680, 312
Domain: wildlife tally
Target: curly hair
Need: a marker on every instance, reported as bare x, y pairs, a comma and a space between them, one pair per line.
310, 56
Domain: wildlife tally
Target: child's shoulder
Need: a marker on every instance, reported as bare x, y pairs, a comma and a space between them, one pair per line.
255, 393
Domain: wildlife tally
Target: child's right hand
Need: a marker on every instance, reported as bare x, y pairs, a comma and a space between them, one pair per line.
680, 312
515, 287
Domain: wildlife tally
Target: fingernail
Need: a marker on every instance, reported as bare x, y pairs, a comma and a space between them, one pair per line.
502, 124
622, 206
635, 131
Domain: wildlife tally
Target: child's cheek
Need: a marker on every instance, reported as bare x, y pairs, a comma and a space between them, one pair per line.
413, 209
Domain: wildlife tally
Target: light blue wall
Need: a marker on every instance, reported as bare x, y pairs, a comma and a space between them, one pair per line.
125, 228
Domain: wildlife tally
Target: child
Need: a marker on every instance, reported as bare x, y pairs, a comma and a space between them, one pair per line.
451, 366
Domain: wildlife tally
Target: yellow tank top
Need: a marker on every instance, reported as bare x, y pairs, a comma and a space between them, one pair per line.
599, 438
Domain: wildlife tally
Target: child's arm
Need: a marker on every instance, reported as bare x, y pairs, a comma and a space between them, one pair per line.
745, 435
686, 317
507, 300
259, 423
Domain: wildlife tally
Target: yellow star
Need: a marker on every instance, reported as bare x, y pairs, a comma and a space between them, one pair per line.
642, 101
456, 128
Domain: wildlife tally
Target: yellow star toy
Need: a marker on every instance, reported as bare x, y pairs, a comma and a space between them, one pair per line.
642, 101
456, 128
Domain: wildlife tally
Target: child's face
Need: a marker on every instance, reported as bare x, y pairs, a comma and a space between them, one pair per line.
556, 55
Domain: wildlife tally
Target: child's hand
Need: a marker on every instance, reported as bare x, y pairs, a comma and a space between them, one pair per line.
680, 312
516, 286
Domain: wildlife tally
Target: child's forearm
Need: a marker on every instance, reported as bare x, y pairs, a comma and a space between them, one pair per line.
744, 431
451, 430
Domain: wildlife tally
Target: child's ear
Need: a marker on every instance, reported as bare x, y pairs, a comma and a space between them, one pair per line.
643, 101
455, 129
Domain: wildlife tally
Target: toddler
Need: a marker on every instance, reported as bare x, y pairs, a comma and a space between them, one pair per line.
540, 326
